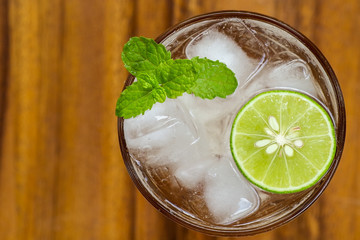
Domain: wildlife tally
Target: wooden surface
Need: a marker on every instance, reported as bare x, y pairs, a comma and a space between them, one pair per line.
61, 173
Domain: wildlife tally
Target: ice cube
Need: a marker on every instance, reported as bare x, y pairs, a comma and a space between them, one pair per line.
228, 195
213, 120
294, 74
215, 44
161, 115
191, 172
204, 110
161, 135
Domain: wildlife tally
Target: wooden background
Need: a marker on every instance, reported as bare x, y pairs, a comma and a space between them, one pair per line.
61, 173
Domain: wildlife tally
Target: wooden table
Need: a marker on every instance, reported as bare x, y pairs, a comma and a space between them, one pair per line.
61, 172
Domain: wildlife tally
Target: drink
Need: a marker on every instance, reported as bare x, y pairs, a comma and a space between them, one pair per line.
178, 153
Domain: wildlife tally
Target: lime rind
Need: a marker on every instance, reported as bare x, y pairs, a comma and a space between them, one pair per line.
317, 171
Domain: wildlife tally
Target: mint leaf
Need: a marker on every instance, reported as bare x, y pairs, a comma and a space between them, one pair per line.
143, 55
136, 99
159, 95
147, 81
214, 79
176, 76
158, 76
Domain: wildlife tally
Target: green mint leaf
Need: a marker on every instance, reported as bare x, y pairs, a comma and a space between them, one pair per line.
214, 79
159, 95
143, 55
147, 81
176, 76
136, 99
159, 76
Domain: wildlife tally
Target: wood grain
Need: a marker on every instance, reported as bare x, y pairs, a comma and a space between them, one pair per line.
61, 172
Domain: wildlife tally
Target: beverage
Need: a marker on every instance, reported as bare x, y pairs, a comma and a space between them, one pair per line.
178, 153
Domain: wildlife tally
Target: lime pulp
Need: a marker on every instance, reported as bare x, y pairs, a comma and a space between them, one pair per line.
283, 141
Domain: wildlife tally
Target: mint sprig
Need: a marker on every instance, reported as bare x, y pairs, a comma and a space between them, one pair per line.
159, 76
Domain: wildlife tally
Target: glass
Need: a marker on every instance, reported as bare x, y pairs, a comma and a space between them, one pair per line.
270, 42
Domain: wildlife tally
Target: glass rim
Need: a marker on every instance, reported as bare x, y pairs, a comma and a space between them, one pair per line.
340, 128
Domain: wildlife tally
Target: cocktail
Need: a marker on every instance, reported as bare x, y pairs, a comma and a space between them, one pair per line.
239, 163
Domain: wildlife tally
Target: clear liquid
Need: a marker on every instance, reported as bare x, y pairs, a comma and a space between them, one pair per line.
180, 148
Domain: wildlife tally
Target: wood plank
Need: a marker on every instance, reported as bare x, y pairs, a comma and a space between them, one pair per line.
337, 38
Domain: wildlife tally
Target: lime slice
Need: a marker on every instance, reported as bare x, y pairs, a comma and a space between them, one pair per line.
283, 141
